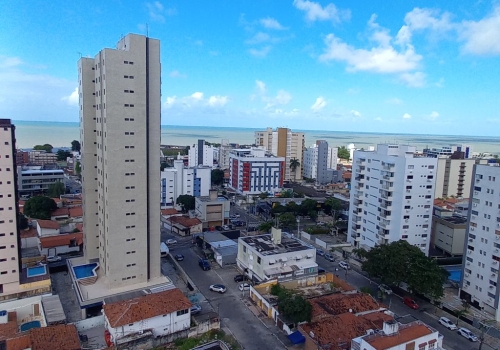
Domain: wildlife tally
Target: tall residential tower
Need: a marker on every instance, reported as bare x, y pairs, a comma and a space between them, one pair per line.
120, 137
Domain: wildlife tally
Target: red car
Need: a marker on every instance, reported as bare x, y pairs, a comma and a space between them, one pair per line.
410, 303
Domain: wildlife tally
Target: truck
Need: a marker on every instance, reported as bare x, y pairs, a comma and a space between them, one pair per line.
163, 250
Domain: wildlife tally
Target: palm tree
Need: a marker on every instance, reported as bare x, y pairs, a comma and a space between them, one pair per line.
460, 314
294, 164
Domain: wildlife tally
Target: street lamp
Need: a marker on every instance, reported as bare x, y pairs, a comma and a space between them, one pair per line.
298, 227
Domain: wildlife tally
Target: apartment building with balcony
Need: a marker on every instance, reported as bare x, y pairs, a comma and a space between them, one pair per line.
201, 154
285, 143
320, 162
392, 194
453, 177
448, 151
36, 179
481, 263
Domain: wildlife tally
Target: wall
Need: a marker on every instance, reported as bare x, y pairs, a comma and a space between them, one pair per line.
43, 232
30, 242
58, 250
448, 237
89, 323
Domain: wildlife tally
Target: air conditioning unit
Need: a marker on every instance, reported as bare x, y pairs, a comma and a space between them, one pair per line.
495, 262
497, 237
466, 275
475, 205
472, 228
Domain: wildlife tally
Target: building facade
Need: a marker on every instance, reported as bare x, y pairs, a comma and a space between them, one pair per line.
35, 179
333, 158
212, 210
453, 177
223, 154
253, 171
42, 157
179, 180
392, 194
448, 151
284, 143
201, 154
119, 98
481, 263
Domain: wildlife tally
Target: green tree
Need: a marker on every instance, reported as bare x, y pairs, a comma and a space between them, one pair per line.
22, 221
56, 189
62, 155
365, 290
308, 206
217, 177
186, 201
399, 262
287, 193
47, 148
292, 207
78, 168
265, 226
287, 220
293, 306
163, 165
343, 153
75, 146
332, 205
39, 207
294, 164
263, 195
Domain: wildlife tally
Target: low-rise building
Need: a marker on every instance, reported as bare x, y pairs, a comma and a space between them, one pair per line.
63, 336
212, 210
36, 179
156, 314
39, 157
60, 214
448, 233
61, 244
275, 256
47, 228
183, 225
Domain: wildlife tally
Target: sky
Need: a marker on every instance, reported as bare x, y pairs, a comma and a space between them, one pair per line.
423, 67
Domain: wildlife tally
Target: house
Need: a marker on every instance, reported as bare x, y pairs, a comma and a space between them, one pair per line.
61, 244
167, 213
47, 228
60, 214
63, 336
29, 238
225, 250
183, 225
76, 212
158, 314
212, 210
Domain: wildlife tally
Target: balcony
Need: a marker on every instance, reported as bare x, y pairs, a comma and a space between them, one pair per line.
361, 161
359, 178
388, 186
358, 202
358, 194
388, 166
385, 224
386, 195
356, 218
385, 215
358, 187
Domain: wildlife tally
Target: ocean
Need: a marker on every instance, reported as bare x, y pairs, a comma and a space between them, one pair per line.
60, 134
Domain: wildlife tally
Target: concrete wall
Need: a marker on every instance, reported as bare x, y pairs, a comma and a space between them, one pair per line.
89, 323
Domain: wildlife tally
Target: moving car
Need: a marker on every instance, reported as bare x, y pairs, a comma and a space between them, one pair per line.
179, 257
329, 257
195, 309
244, 286
204, 264
170, 241
410, 303
52, 258
447, 323
344, 265
219, 288
385, 289
320, 252
240, 278
464, 332
225, 228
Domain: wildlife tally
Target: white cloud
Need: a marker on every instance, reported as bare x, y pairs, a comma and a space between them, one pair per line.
72, 99
261, 86
315, 12
416, 79
482, 37
157, 11
282, 98
319, 104
406, 116
260, 53
177, 74
271, 23
217, 100
394, 101
9, 62
197, 95
355, 113
258, 38
434, 115
378, 119
196, 100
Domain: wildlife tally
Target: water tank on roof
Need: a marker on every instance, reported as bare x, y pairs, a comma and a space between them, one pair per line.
4, 316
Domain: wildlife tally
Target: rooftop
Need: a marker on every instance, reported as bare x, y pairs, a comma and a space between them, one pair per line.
145, 306
60, 212
185, 221
10, 328
457, 220
62, 240
31, 232
337, 304
49, 224
265, 246
65, 336
405, 334
170, 211
76, 212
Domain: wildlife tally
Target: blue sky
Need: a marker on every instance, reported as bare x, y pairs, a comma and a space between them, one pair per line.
408, 67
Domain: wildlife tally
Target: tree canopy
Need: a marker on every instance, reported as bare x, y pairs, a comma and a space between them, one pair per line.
39, 207
265, 226
343, 153
22, 221
75, 146
399, 262
332, 205
217, 177
287, 220
47, 148
294, 164
293, 306
78, 168
186, 201
63, 155
56, 189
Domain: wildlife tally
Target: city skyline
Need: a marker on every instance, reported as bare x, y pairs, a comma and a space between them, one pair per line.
303, 65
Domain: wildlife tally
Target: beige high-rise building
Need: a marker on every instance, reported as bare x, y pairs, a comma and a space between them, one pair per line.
453, 177
10, 247
283, 142
120, 137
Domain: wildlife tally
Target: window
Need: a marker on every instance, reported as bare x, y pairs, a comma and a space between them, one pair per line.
182, 312
259, 260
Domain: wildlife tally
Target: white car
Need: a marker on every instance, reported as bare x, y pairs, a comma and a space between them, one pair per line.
344, 265
464, 332
225, 228
447, 323
52, 258
244, 286
219, 288
235, 216
385, 289
170, 241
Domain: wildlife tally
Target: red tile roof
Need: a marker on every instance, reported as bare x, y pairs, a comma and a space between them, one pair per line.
145, 306
48, 224
76, 212
170, 211
79, 226
31, 232
21, 342
403, 336
347, 175
184, 221
337, 304
60, 212
61, 240
64, 336
10, 328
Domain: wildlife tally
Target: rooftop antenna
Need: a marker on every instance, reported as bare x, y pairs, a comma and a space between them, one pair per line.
147, 30
78, 52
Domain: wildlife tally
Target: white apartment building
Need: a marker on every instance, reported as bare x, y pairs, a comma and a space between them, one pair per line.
447, 151
179, 180
319, 156
480, 276
453, 177
333, 158
255, 170
392, 195
36, 179
10, 244
201, 154
285, 143
275, 256
223, 154
119, 98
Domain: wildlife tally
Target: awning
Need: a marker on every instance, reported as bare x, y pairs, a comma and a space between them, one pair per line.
309, 255
298, 257
284, 259
272, 261
296, 338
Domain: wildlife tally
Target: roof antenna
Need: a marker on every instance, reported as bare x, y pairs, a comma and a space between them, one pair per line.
147, 30
78, 52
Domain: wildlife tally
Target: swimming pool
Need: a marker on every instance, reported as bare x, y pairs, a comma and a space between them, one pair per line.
455, 272
87, 270
36, 271
29, 325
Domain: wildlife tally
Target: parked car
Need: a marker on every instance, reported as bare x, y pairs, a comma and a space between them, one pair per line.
53, 258
195, 309
235, 216
447, 323
320, 252
385, 289
240, 278
170, 241
225, 228
321, 270
244, 286
464, 332
219, 288
204, 264
179, 257
410, 303
329, 257
320, 223
344, 265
